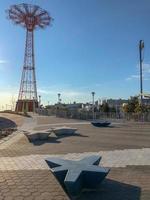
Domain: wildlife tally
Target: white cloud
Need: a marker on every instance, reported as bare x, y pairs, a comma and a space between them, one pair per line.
98, 85
72, 93
3, 61
133, 77
64, 92
128, 79
68, 94
146, 68
146, 73
44, 91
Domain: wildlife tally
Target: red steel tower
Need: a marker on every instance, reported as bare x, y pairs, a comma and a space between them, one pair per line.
30, 17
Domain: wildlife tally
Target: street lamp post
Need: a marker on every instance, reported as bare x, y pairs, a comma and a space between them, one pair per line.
141, 47
93, 93
39, 100
59, 98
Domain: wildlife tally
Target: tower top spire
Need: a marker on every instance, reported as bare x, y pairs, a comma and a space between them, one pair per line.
29, 16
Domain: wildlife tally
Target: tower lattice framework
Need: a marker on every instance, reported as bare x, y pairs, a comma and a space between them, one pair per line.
31, 17
28, 88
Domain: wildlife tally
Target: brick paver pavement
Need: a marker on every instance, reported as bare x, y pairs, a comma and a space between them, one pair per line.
129, 183
30, 184
116, 158
125, 148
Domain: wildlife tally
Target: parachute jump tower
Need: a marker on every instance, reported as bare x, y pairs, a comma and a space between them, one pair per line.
30, 17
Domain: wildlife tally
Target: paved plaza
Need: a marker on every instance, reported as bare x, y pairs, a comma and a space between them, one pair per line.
124, 147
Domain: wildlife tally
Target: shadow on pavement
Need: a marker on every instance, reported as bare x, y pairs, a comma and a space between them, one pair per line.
112, 190
49, 140
105, 127
54, 139
7, 123
73, 135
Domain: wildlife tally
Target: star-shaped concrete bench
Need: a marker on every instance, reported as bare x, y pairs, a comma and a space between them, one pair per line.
37, 135
77, 175
64, 130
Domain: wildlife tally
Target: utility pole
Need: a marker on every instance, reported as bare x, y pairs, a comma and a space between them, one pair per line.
141, 47
93, 93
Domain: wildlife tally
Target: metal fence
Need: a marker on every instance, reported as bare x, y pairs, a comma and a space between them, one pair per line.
88, 115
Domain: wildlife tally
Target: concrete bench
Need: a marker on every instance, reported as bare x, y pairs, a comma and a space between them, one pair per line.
77, 175
37, 135
63, 131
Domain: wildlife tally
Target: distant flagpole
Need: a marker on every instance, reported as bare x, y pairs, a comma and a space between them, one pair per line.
141, 47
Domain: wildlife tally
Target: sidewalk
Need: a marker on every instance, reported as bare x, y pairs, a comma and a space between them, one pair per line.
124, 148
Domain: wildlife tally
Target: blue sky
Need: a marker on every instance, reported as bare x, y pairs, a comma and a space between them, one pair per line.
92, 45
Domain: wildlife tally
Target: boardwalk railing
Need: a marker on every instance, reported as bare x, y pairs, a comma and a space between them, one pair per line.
88, 115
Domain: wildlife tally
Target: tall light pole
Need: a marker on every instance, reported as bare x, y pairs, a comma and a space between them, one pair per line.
59, 100
141, 47
93, 93
39, 101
